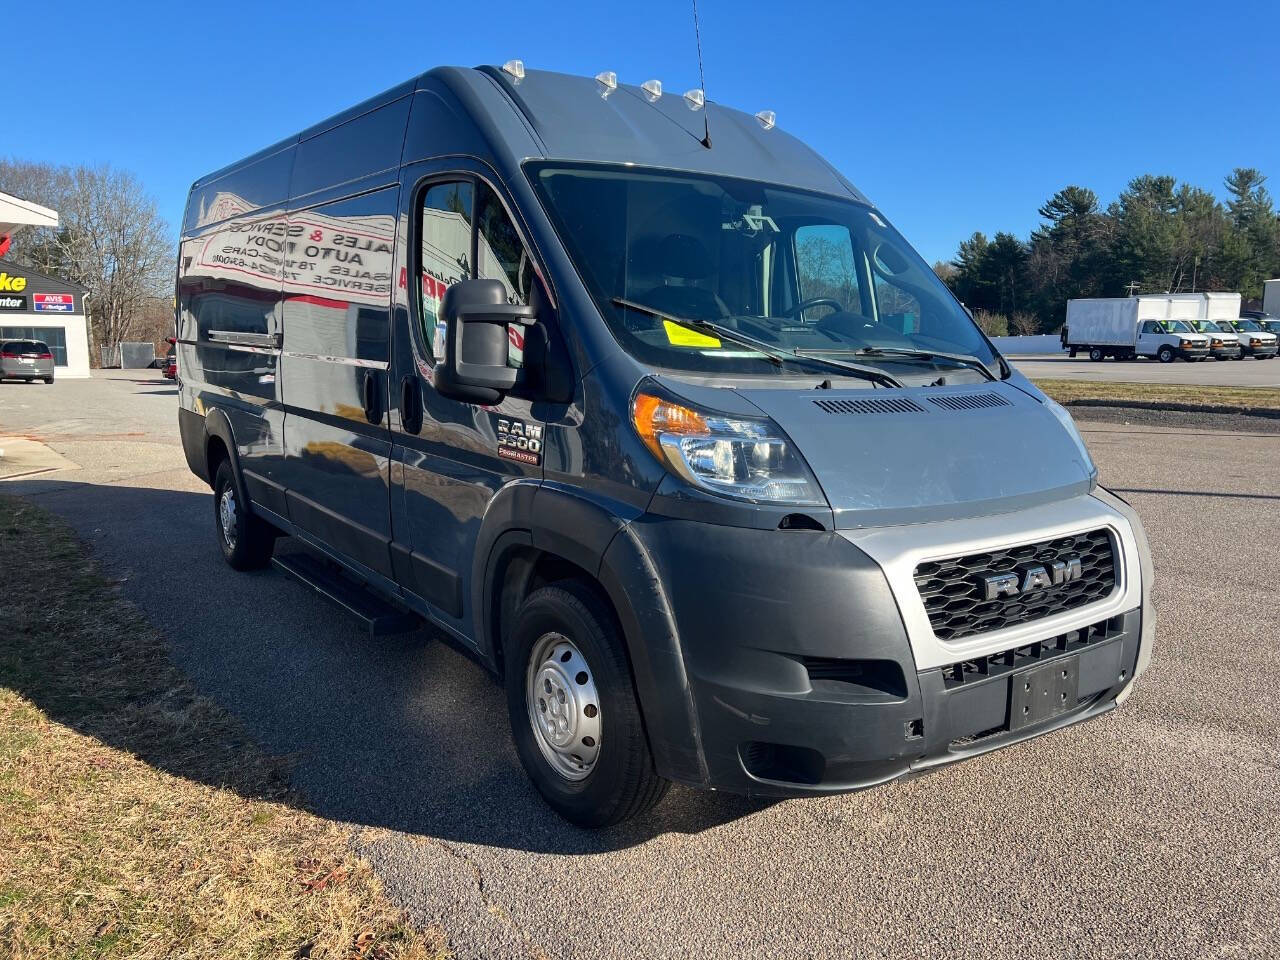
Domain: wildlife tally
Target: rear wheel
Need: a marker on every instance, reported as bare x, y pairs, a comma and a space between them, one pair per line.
1165, 355
573, 709
48, 379
247, 541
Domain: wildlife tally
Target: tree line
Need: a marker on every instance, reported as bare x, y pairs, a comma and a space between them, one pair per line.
1158, 236
110, 239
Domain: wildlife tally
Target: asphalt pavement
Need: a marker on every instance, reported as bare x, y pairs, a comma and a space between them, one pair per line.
1221, 373
1153, 831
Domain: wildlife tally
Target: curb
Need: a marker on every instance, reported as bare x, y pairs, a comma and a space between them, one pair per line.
1269, 413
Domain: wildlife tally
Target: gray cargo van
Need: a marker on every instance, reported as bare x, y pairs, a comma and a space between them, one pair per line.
647, 408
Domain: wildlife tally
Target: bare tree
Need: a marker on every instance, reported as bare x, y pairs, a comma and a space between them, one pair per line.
1023, 324
111, 240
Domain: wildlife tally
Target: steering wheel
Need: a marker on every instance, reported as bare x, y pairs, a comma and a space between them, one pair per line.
804, 305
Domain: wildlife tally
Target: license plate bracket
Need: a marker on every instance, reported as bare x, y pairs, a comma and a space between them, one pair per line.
1043, 692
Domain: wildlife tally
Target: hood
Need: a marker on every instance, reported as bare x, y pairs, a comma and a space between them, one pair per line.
930, 453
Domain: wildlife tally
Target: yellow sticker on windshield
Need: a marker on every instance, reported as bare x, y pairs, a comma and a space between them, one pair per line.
680, 336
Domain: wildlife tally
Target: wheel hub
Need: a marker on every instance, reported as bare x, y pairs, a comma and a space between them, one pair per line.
227, 516
564, 706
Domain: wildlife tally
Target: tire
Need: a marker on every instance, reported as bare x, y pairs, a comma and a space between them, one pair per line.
1096, 354
246, 541
591, 763
1165, 355
48, 380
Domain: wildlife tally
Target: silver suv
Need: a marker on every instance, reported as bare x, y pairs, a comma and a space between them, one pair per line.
26, 360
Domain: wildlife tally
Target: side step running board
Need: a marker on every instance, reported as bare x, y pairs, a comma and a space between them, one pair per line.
379, 616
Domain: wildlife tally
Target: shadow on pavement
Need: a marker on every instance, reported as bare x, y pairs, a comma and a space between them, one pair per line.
403, 732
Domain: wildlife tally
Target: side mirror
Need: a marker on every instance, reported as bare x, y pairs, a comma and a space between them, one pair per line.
474, 367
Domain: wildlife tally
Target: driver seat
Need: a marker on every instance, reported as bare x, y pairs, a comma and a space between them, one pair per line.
685, 260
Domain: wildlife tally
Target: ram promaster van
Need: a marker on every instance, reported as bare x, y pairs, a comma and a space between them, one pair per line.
643, 405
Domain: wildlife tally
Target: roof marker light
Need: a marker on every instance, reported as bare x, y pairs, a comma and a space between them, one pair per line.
768, 119
652, 90
608, 81
514, 68
695, 98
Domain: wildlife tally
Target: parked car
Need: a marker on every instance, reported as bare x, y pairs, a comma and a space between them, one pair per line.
581, 386
1224, 344
171, 365
1254, 340
27, 360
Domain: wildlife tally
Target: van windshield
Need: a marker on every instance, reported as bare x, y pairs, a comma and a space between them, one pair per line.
793, 270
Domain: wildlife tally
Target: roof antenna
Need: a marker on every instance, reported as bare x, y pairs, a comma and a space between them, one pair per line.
706, 122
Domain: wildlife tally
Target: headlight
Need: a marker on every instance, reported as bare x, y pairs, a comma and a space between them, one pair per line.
742, 457
1186, 343
1059, 411
1255, 342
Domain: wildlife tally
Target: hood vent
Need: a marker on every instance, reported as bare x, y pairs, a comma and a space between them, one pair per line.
969, 401
872, 405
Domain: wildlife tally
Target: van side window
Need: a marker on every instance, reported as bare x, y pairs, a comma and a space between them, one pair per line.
827, 267
445, 231
499, 253
1152, 326
501, 256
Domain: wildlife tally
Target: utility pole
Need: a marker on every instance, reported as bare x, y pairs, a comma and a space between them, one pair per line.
1132, 287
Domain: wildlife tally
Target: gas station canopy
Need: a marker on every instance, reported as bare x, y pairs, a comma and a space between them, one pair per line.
15, 213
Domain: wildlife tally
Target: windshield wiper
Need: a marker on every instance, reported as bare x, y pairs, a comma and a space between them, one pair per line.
772, 353
962, 359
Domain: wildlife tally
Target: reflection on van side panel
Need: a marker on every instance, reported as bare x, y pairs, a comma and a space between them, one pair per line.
685, 443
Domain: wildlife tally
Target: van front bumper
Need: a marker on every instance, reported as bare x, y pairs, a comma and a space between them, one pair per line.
799, 679
1193, 353
1265, 351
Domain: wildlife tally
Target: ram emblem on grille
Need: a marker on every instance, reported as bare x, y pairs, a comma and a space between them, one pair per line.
1031, 578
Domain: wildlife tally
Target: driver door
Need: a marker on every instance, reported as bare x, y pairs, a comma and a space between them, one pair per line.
1150, 337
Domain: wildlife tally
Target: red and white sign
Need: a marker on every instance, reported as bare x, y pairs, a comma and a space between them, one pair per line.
53, 302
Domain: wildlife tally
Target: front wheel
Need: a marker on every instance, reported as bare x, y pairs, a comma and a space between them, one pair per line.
246, 541
1096, 354
573, 709
1165, 355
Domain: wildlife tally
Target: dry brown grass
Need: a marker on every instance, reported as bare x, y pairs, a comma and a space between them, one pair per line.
1068, 391
136, 817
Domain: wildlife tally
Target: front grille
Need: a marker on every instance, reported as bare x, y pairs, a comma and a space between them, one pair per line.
953, 594
1028, 655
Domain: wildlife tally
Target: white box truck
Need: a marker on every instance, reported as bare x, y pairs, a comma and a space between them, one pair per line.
1218, 311
1142, 326
1271, 297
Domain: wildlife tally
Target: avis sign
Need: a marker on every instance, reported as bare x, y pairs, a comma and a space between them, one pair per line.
53, 302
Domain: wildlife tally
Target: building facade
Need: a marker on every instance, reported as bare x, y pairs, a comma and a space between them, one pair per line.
36, 307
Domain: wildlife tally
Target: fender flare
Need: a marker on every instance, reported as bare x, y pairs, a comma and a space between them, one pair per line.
595, 536
216, 424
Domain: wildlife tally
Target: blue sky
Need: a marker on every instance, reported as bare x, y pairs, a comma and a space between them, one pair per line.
952, 117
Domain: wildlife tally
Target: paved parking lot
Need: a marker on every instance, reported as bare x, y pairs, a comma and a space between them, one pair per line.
1223, 373
1152, 832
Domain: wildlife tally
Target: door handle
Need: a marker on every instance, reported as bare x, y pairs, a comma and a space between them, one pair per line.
410, 405
369, 397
